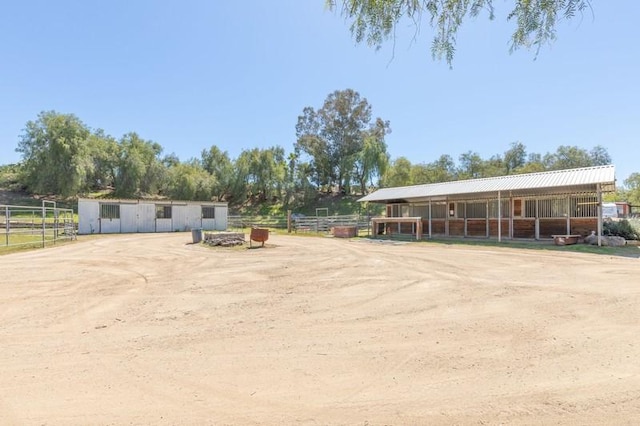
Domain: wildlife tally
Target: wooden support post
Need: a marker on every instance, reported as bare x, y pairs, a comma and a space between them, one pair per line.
537, 221
487, 220
568, 215
511, 233
446, 218
430, 218
499, 218
599, 190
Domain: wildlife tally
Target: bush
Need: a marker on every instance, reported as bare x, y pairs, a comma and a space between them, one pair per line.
621, 228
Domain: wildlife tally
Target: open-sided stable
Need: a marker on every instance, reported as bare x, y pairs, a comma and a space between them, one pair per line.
529, 206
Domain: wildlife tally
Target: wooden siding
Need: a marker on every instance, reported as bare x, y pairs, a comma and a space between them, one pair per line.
476, 227
549, 227
524, 228
493, 228
583, 226
456, 228
437, 226
405, 228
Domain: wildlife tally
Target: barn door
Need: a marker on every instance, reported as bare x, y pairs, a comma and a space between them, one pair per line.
146, 218
128, 218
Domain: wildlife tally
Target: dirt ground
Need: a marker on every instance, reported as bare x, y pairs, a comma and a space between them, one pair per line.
147, 329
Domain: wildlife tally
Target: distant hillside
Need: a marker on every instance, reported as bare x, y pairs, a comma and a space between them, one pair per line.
18, 198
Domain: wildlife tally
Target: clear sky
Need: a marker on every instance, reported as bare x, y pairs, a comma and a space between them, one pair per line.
192, 74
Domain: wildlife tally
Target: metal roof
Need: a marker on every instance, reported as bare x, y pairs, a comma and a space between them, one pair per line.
582, 179
164, 202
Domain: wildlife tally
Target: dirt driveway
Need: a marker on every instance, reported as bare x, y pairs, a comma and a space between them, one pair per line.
146, 329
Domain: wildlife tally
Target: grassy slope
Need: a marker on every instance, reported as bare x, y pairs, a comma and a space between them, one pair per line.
23, 199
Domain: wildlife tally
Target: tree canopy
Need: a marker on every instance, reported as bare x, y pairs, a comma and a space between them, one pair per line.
375, 21
339, 147
342, 141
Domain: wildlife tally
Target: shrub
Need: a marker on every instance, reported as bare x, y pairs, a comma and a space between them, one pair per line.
621, 228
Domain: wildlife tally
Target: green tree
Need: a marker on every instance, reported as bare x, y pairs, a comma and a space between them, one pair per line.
140, 170
375, 21
56, 154
10, 176
600, 156
314, 146
105, 153
515, 157
372, 161
398, 173
471, 165
333, 136
264, 172
568, 157
218, 164
632, 185
189, 181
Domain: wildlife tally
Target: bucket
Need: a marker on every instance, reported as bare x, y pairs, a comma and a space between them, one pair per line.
196, 235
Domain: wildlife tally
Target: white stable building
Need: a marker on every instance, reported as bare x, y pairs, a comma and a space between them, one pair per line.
131, 216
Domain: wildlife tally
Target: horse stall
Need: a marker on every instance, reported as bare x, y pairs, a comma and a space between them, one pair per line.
114, 216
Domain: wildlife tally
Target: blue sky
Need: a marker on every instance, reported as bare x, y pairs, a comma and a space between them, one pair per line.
192, 74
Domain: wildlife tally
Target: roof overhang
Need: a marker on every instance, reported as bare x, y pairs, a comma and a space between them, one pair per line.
573, 181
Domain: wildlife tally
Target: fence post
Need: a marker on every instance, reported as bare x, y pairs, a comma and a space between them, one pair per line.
44, 216
6, 226
288, 221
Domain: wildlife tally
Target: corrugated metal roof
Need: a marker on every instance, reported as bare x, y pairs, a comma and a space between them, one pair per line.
586, 178
151, 201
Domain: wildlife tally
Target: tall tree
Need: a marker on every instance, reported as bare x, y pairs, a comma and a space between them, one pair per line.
56, 154
515, 157
189, 181
219, 165
471, 165
333, 136
567, 157
398, 173
632, 184
105, 153
140, 170
372, 161
600, 156
265, 171
375, 21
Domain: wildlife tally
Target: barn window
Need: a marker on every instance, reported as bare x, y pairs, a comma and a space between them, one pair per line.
477, 210
517, 208
552, 207
208, 212
438, 210
504, 208
529, 208
421, 211
395, 210
110, 211
584, 206
163, 212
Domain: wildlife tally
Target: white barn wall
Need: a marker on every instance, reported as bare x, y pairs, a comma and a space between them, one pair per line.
147, 217
88, 217
140, 216
109, 226
128, 218
221, 218
194, 217
179, 218
164, 225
